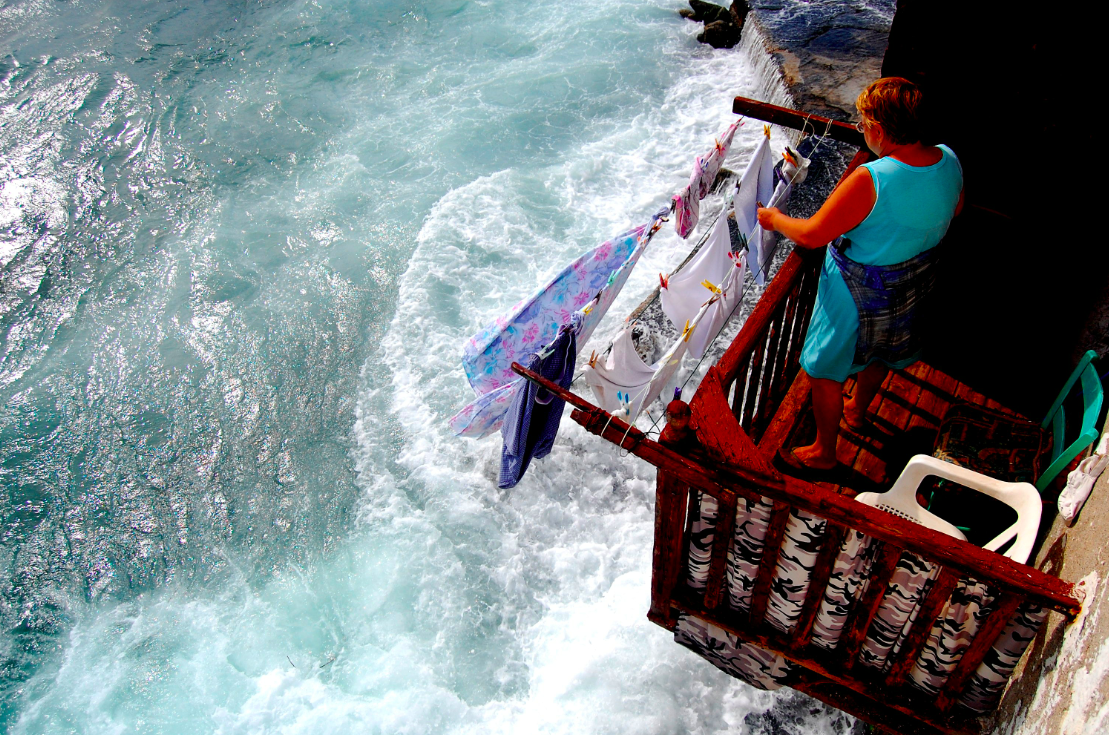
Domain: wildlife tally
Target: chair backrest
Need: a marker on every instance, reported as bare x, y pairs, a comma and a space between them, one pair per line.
901, 501
1062, 454
1020, 496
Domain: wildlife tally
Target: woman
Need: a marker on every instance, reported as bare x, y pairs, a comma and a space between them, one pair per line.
891, 213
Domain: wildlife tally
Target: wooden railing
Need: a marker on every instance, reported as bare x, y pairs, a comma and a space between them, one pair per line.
684, 470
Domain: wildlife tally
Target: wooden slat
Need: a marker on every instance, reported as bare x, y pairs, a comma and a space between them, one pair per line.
724, 482
858, 624
754, 328
794, 120
782, 362
771, 547
914, 642
818, 582
784, 419
765, 412
671, 500
750, 398
983, 641
718, 563
739, 386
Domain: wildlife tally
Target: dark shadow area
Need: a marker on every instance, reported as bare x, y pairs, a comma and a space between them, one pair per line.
1024, 271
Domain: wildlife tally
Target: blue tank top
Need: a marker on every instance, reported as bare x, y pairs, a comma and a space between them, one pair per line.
912, 209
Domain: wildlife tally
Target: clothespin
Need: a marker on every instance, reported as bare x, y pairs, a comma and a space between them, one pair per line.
588, 308
663, 281
708, 284
686, 332
766, 130
593, 359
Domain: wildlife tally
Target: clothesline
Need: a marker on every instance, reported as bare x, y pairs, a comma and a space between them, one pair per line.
762, 266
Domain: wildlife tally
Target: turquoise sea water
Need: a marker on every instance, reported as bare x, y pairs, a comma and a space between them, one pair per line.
240, 247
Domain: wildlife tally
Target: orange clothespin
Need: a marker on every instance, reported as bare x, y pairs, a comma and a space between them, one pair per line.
593, 359
663, 281
766, 130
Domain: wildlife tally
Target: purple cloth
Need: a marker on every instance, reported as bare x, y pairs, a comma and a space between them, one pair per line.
532, 419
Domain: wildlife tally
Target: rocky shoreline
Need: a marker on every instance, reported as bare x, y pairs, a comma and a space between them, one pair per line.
827, 51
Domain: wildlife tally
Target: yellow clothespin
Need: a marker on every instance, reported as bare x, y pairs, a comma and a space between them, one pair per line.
686, 332
766, 130
707, 284
593, 359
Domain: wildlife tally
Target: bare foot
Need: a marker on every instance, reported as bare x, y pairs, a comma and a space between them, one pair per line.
813, 458
854, 416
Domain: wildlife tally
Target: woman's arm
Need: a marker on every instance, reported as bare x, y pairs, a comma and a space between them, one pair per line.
848, 205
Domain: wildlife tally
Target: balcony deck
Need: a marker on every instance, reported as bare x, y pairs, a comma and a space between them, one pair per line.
903, 420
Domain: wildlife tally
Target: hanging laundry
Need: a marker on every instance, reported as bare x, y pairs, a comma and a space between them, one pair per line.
755, 185
624, 384
687, 203
685, 292
590, 284
761, 243
533, 417
488, 356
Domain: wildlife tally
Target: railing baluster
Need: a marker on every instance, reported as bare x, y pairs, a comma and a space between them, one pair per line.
930, 609
741, 391
857, 626
725, 529
759, 423
818, 582
983, 641
751, 398
771, 547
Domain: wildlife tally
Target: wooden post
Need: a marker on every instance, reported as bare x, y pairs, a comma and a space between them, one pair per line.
930, 609
671, 502
851, 641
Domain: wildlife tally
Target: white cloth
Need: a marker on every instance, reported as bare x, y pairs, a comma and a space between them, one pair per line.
623, 384
755, 185
1080, 483
684, 293
760, 245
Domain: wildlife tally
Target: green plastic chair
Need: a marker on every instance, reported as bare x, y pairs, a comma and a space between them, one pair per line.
1092, 397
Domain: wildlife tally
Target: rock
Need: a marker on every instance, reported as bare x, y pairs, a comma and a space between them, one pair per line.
709, 13
720, 34
687, 14
739, 10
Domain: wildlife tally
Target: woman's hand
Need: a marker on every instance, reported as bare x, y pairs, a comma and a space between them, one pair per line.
767, 217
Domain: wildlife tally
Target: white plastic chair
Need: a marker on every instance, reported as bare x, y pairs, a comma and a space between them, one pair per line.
1020, 496
901, 501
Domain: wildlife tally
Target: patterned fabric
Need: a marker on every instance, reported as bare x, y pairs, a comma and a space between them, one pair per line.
956, 626
845, 584
687, 203
803, 538
485, 414
970, 603
488, 356
890, 299
756, 666
700, 541
529, 325
751, 524
988, 682
532, 420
